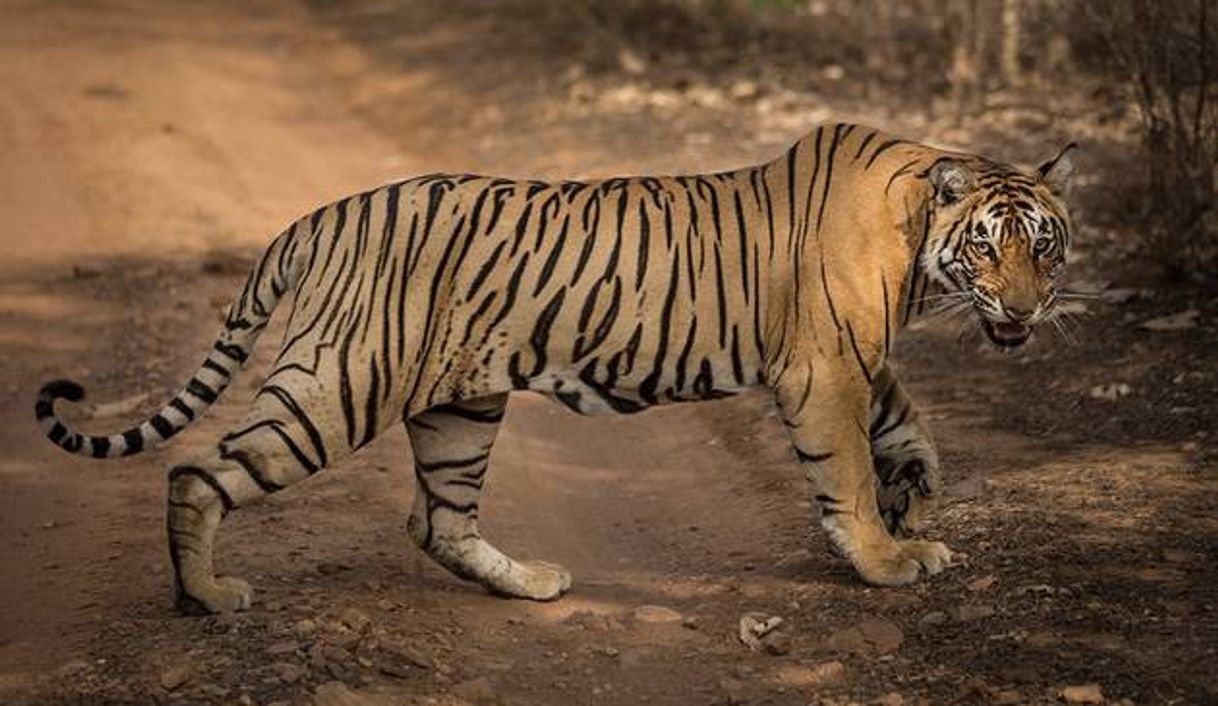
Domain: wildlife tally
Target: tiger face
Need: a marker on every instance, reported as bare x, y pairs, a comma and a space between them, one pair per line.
1000, 239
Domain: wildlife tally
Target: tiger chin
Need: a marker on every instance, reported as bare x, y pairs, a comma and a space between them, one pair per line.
427, 301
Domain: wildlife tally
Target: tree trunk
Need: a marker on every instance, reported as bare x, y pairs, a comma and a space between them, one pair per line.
1012, 28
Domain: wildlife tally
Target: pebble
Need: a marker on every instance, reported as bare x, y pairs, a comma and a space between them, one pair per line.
289, 673
777, 642
819, 674
284, 647
355, 620
304, 628
329, 568
972, 611
656, 614
871, 634
931, 620
1082, 694
476, 690
981, 584
176, 676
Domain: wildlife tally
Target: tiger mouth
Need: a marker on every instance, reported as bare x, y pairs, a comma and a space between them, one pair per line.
1006, 334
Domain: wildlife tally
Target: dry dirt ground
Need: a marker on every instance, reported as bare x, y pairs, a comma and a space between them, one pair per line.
148, 150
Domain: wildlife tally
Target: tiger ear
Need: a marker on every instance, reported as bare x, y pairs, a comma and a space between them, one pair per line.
1056, 173
952, 180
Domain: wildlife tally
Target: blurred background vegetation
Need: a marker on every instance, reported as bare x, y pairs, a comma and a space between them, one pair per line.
1143, 65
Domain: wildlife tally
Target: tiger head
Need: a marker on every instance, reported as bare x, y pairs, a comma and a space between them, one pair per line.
998, 239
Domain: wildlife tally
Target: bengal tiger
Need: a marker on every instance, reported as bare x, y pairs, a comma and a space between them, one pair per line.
429, 300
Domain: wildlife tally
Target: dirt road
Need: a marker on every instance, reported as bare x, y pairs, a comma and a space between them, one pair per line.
149, 151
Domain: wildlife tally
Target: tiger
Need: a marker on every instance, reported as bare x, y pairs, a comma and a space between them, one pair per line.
429, 300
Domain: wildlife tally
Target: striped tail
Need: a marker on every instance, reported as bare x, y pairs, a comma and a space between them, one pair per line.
275, 274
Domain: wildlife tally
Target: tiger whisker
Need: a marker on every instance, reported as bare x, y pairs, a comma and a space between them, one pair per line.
940, 297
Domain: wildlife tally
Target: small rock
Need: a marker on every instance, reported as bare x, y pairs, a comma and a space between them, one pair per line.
656, 614
283, 647
176, 676
871, 634
777, 642
289, 673
329, 568
73, 668
883, 635
819, 674
1110, 392
1082, 694
754, 626
477, 690
304, 628
981, 584
355, 620
931, 620
409, 655
1041, 589
215, 690
892, 698
971, 611
336, 693
1180, 321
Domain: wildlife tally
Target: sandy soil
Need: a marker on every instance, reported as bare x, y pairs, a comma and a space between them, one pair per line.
148, 152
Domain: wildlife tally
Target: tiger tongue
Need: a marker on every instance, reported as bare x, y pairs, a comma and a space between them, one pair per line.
1006, 333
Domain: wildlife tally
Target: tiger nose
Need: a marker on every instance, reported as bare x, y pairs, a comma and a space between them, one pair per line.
1018, 312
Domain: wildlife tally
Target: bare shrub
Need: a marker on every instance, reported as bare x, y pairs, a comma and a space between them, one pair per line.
1164, 54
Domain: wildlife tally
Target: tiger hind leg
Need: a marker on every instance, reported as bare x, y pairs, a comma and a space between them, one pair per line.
261, 457
904, 457
452, 445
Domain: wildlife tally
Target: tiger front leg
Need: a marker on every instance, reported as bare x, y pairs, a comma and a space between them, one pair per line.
824, 411
452, 445
903, 454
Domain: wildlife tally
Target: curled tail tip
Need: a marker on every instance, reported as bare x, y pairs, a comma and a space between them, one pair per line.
55, 390
69, 390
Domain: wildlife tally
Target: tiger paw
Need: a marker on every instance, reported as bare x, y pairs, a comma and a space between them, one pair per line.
903, 495
225, 594
535, 580
901, 563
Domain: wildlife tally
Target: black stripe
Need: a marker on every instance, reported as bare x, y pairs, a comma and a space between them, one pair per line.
455, 463
806, 457
471, 415
200, 389
162, 426
866, 141
290, 403
182, 407
232, 351
101, 446
134, 441
858, 355
247, 464
179, 471
215, 367
484, 271
882, 149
